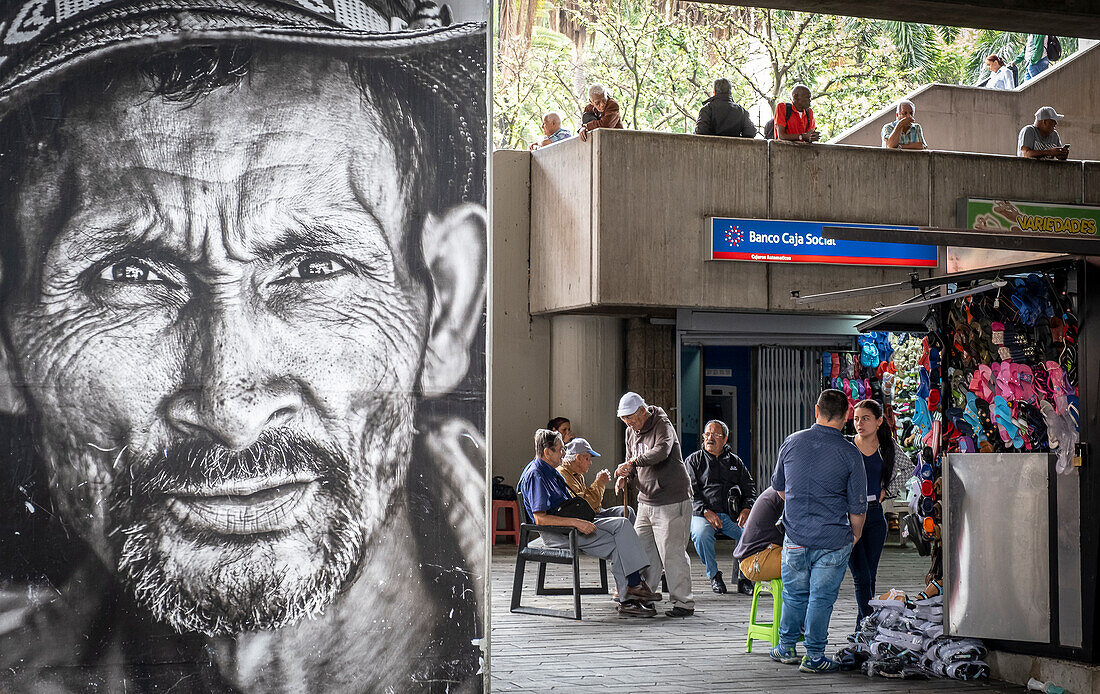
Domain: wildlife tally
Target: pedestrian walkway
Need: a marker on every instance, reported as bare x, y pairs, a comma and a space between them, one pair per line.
610, 654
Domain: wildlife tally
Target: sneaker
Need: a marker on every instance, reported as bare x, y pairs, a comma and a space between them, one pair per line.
787, 656
678, 611
821, 664
632, 608
717, 584
744, 586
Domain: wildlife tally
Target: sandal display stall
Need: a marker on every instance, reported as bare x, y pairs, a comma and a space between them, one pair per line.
1004, 415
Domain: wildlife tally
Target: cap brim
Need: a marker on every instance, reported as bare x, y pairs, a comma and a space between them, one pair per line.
457, 52
594, 454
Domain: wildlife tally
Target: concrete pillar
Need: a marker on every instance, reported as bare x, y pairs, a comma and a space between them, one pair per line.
651, 363
519, 367
586, 380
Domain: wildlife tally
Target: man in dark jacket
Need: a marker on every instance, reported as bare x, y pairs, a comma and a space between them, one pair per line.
720, 116
723, 490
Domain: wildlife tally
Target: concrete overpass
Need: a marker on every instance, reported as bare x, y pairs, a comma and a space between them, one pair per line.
1079, 18
599, 249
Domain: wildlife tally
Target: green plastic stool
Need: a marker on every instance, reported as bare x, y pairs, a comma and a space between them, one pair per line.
766, 631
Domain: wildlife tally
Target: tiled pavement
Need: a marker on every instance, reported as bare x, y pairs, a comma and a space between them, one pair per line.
705, 653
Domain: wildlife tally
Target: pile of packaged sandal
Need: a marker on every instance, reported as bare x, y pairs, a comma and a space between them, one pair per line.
904, 639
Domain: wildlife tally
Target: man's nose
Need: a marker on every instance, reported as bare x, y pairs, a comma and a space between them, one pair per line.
234, 388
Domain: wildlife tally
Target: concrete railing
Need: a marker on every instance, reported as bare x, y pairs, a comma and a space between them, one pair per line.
974, 119
617, 223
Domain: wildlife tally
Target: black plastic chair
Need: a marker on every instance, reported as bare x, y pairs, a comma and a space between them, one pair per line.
535, 550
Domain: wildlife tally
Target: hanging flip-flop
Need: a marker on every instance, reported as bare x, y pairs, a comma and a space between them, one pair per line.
970, 414
1002, 414
923, 388
1023, 379
922, 419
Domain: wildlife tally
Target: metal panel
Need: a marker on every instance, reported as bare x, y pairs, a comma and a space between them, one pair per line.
1070, 628
997, 546
788, 387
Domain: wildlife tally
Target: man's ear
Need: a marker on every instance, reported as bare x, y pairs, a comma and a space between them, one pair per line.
454, 252
11, 397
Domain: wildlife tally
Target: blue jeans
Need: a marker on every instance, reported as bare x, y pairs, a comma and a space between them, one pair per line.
702, 534
865, 556
811, 580
1033, 70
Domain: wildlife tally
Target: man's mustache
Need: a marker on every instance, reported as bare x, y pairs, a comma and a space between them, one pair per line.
196, 463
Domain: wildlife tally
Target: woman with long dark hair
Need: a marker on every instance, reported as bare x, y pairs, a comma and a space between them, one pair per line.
881, 456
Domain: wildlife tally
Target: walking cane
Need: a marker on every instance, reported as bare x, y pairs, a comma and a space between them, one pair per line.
626, 496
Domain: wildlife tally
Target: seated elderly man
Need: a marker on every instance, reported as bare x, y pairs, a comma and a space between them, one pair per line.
544, 493
574, 466
903, 132
722, 494
553, 130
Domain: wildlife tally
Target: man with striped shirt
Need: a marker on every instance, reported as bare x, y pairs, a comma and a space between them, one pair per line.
903, 132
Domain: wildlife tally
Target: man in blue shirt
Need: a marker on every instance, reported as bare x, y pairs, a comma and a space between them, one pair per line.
821, 478
544, 491
553, 130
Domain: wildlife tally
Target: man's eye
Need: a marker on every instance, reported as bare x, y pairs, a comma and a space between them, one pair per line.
132, 271
315, 267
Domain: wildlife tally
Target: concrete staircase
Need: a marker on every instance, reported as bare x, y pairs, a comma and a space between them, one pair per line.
974, 119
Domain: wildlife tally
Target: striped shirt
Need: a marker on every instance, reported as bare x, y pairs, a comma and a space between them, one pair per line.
560, 135
1031, 138
914, 135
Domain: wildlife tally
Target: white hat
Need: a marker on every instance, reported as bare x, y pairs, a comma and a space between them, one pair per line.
1048, 113
629, 404
578, 446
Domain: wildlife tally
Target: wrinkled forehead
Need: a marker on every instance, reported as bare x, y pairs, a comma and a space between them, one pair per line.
295, 137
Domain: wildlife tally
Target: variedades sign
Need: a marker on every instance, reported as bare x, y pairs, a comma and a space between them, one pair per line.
780, 241
1040, 217
1014, 216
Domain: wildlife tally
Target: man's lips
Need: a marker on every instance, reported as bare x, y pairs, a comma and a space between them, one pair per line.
244, 506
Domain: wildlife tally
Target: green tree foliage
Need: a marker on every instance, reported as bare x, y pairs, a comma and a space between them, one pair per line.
658, 59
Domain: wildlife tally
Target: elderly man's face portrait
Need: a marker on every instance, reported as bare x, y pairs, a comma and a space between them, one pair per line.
221, 335
221, 312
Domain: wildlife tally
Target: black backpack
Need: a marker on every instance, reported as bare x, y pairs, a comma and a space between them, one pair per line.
501, 491
1054, 48
769, 127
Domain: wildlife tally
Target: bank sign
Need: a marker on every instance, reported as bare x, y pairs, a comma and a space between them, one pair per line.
775, 241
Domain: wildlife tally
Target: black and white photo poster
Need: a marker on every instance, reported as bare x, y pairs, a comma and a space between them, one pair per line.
242, 334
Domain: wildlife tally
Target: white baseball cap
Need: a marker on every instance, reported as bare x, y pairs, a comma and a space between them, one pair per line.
578, 446
1048, 112
629, 404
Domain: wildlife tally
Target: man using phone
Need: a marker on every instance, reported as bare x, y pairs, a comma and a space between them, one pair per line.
1041, 140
